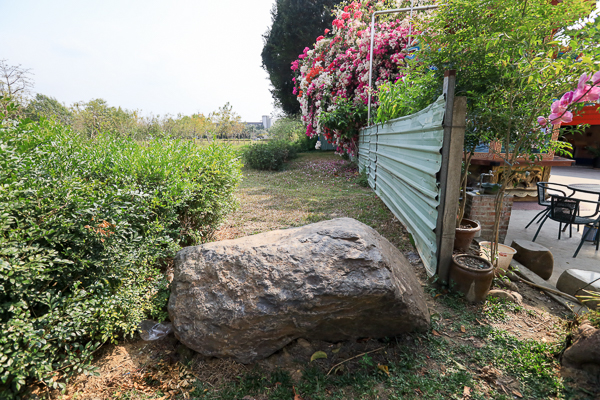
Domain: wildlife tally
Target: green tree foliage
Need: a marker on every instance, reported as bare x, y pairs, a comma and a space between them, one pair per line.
86, 227
228, 123
296, 25
48, 107
513, 58
288, 129
96, 116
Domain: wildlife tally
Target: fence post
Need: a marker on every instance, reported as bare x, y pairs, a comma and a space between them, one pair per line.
449, 175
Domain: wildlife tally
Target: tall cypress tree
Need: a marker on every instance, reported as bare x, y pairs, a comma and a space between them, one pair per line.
296, 25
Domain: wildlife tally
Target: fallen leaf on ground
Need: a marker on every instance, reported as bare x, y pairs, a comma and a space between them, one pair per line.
462, 329
384, 368
467, 391
517, 393
317, 355
296, 395
435, 333
335, 351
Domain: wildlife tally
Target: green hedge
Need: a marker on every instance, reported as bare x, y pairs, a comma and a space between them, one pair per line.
305, 144
85, 229
269, 155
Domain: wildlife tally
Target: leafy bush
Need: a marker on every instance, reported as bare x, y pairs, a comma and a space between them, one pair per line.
269, 155
362, 179
86, 227
305, 144
407, 96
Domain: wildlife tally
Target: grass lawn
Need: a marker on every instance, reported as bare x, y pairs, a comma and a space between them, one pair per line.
316, 186
497, 350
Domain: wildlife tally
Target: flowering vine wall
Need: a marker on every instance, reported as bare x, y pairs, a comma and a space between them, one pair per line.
333, 77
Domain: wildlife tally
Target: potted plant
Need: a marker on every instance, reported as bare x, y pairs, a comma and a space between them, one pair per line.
596, 153
466, 229
472, 276
510, 71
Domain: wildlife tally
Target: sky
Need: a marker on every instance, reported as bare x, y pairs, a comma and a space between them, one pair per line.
160, 57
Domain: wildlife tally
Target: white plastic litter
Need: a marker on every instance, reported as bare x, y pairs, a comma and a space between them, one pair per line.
152, 330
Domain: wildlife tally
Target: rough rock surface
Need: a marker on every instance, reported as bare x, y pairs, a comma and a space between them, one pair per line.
333, 280
514, 297
584, 353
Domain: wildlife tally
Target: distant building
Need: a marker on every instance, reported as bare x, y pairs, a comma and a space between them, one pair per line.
256, 125
266, 121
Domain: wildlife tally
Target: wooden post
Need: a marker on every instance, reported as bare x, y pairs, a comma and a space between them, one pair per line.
450, 173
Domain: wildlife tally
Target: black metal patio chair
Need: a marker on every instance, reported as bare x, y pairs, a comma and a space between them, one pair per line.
566, 210
593, 225
545, 190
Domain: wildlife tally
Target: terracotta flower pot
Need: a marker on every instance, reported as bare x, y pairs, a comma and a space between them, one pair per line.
472, 276
464, 236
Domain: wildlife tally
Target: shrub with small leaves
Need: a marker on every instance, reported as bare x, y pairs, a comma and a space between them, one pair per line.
86, 229
270, 155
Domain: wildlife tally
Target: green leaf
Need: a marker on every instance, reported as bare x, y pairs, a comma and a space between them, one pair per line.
317, 355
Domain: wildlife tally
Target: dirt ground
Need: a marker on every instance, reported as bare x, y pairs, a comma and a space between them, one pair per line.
165, 369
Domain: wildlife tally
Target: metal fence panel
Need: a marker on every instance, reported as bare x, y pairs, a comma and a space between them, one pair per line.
325, 145
363, 152
404, 158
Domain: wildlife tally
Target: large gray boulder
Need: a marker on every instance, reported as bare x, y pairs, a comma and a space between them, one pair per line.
333, 280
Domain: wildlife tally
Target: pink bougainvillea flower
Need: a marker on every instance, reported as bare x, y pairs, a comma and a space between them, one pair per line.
567, 99
587, 93
320, 38
559, 118
542, 121
557, 107
583, 80
338, 23
345, 15
327, 31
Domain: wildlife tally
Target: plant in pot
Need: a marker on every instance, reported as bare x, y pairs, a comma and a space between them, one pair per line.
472, 276
595, 150
506, 57
466, 229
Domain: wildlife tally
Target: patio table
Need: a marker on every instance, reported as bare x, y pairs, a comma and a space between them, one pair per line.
593, 188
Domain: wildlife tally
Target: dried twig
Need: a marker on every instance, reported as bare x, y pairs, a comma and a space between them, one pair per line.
549, 290
352, 358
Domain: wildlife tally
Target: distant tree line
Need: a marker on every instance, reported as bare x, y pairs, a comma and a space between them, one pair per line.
96, 116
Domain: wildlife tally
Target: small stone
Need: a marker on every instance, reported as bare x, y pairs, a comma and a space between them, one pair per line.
509, 285
296, 375
304, 344
517, 297
512, 276
503, 294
